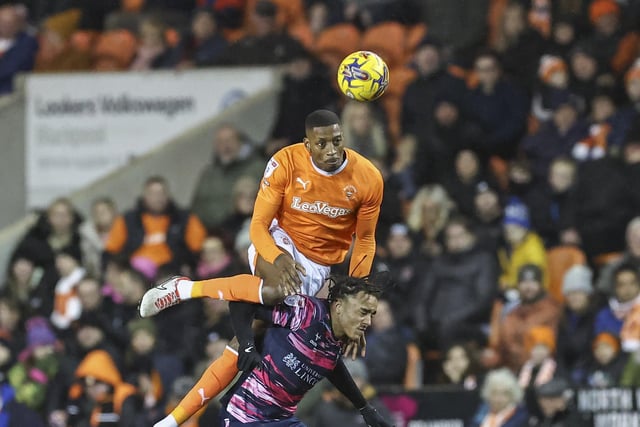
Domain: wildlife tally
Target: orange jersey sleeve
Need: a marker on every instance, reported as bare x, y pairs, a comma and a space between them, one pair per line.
364, 248
320, 211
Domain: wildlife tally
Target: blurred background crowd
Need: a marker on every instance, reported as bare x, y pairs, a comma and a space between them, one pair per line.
509, 141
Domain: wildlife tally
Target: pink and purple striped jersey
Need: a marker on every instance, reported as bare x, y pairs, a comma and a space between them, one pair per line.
299, 351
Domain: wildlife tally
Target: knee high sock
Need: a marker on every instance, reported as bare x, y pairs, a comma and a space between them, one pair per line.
215, 379
243, 287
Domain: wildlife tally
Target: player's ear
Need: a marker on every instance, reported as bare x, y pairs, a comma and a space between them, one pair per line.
307, 144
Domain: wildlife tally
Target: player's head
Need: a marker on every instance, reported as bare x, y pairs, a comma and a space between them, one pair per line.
324, 139
354, 301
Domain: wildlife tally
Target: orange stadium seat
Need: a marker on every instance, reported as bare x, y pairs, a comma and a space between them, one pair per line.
559, 260
336, 42
172, 36
114, 50
387, 39
399, 79
131, 5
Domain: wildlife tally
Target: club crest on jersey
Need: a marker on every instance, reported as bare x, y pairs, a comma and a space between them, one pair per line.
349, 191
272, 165
294, 301
319, 207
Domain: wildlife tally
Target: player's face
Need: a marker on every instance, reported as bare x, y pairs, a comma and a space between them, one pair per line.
326, 147
353, 315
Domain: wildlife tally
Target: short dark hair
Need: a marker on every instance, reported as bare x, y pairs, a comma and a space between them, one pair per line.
626, 266
462, 221
343, 286
321, 118
156, 179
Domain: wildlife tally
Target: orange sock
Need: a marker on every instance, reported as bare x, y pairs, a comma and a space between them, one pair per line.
215, 379
243, 288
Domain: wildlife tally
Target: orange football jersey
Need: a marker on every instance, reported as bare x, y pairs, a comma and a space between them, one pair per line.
321, 211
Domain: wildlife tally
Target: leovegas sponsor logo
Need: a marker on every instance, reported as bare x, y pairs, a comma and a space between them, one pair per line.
319, 207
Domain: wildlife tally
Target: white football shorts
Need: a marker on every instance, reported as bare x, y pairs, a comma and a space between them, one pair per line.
316, 275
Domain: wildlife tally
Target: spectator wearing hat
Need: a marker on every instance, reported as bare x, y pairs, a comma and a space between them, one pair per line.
66, 307
99, 392
556, 407
540, 368
555, 137
552, 83
267, 44
607, 363
535, 308
613, 49
625, 297
13, 413
551, 202
575, 331
458, 288
37, 365
498, 107
522, 245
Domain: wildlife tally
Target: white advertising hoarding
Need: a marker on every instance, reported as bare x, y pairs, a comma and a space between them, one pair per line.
80, 127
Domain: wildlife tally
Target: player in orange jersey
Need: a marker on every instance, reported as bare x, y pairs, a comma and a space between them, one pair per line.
314, 198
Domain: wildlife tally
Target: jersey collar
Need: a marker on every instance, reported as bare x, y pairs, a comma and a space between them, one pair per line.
335, 172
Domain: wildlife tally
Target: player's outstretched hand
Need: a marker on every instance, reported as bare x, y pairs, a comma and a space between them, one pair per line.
289, 271
373, 418
248, 357
352, 347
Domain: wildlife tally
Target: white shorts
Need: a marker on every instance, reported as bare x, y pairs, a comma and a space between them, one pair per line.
316, 275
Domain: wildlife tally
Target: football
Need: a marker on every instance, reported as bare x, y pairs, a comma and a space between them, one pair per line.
363, 76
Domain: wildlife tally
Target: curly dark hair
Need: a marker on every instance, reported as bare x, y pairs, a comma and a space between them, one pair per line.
342, 286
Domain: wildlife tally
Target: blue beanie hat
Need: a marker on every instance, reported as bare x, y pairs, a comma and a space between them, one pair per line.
516, 213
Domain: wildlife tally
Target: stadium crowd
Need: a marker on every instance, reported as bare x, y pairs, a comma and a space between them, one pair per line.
509, 141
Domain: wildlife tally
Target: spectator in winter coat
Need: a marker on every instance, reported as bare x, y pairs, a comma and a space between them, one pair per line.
458, 288
203, 44
233, 157
17, 48
556, 137
575, 331
498, 107
156, 232
608, 362
551, 203
95, 232
522, 245
535, 308
626, 296
631, 256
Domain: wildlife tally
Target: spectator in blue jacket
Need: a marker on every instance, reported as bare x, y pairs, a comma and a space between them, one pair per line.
17, 48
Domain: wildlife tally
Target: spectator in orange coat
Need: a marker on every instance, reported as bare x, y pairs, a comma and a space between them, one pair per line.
156, 232
536, 308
